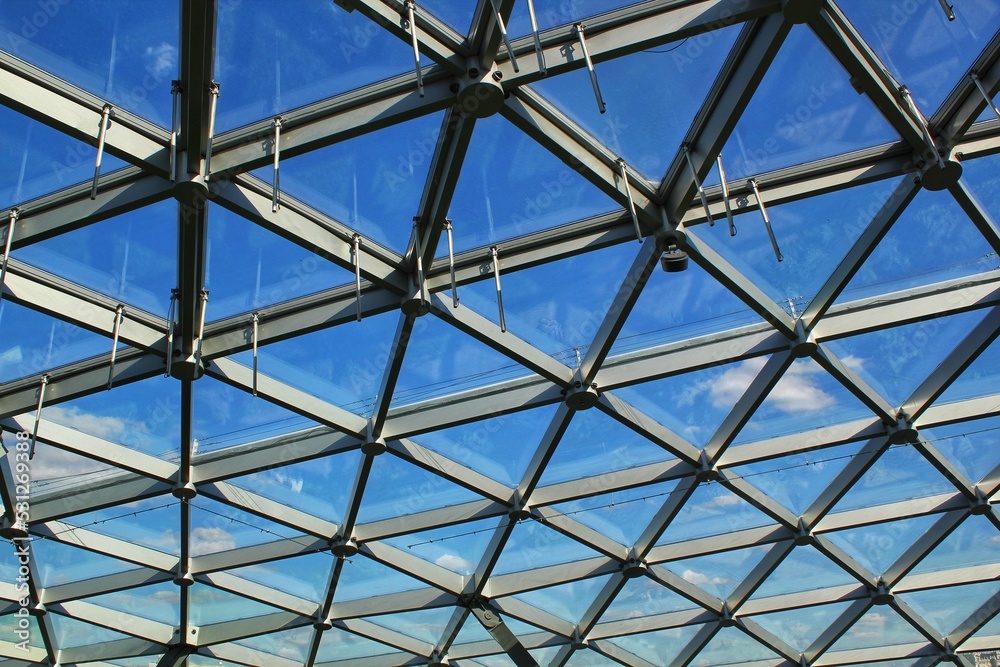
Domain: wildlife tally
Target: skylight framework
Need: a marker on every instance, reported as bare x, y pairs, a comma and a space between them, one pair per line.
809, 479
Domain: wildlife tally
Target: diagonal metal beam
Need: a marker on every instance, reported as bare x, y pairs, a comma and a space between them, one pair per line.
965, 103
854, 383
979, 216
626, 414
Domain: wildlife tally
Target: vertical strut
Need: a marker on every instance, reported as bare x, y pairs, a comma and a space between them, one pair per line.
767, 219
986, 95
175, 90
503, 33
38, 416
171, 316
496, 276
697, 183
115, 330
356, 247
451, 263
725, 196
538, 42
213, 103
105, 114
631, 203
590, 66
14, 212
411, 17
254, 327
276, 192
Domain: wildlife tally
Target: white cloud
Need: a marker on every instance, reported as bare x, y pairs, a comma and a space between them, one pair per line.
210, 540
106, 428
699, 579
454, 563
795, 392
161, 60
727, 500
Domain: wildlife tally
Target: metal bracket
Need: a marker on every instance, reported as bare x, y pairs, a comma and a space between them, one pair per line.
491, 620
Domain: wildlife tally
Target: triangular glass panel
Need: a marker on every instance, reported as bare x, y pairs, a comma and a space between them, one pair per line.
208, 605
947, 608
71, 633
619, 515
320, 487
804, 109
642, 120
513, 186
397, 487
159, 602
216, 527
895, 361
878, 546
289, 644
973, 447
932, 241
224, 417
367, 578
981, 179
248, 267
680, 306
800, 627
660, 647
427, 625
804, 569
533, 545
881, 626
900, 473
60, 563
973, 543
694, 404
979, 379
338, 644
258, 83
306, 576
10, 626
567, 601
129, 56
153, 523
796, 480
143, 415
813, 235
991, 629
34, 342
733, 646
371, 183
920, 46
458, 548
712, 510
349, 380
441, 360
642, 596
129, 257
594, 444
720, 573
544, 308
545, 656
500, 447
805, 397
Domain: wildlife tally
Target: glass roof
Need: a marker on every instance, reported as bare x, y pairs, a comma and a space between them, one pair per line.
664, 335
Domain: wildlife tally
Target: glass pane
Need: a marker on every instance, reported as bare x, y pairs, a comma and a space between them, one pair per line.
211, 605
801, 627
34, 342
900, 473
979, 379
644, 597
972, 446
290, 644
153, 523
878, 546
972, 543
71, 633
426, 625
337, 644
732, 646
532, 545
216, 527
804, 569
60, 563
567, 601
881, 626
458, 548
659, 647
160, 602
620, 515
718, 574
304, 576
712, 510
365, 578
397, 488
947, 608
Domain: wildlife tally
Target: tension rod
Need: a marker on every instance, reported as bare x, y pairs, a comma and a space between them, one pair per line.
203, 306
14, 212
356, 251
590, 66
697, 184
115, 330
254, 328
175, 89
919, 117
949, 11
276, 191
411, 17
101, 134
986, 95
767, 220
538, 42
503, 33
451, 263
171, 316
725, 196
213, 103
38, 416
628, 193
496, 275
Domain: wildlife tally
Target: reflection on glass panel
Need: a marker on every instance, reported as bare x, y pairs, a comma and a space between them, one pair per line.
801, 627
972, 543
712, 510
895, 361
34, 342
620, 515
397, 488
642, 124
661, 647
457, 548
718, 574
972, 446
366, 578
291, 644
282, 72
567, 601
129, 55
878, 546
210, 605
514, 186
532, 545
11, 627
947, 608
900, 473
804, 569
881, 626
804, 109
